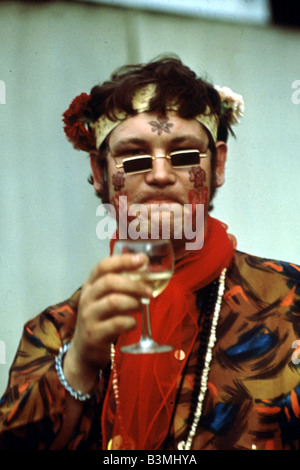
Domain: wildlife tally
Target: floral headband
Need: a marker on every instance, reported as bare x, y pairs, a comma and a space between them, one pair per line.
86, 135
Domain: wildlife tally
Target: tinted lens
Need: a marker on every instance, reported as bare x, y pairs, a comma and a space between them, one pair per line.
185, 158
137, 164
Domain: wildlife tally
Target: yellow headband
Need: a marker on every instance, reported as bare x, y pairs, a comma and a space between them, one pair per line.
140, 103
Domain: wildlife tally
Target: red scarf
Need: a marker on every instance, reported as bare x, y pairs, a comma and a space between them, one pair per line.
146, 384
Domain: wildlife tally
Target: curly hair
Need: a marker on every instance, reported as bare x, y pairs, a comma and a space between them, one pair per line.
175, 83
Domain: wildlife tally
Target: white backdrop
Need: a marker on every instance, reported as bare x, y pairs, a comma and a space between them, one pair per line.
52, 52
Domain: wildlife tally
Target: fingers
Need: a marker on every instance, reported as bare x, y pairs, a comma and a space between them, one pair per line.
106, 282
117, 283
117, 264
113, 327
108, 300
109, 306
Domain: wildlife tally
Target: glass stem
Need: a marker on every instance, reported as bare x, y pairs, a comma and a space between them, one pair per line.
146, 328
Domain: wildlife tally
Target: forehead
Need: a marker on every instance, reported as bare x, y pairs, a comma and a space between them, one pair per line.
158, 130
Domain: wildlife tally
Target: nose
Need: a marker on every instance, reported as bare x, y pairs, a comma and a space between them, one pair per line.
162, 173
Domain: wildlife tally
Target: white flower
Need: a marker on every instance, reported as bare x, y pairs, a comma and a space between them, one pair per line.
233, 101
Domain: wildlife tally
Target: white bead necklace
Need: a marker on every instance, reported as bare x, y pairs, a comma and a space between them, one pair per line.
186, 445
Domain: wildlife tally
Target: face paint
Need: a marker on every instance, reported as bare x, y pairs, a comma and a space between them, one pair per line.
115, 200
198, 196
161, 125
118, 180
197, 176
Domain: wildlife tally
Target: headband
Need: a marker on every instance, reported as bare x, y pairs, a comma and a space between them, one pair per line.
86, 135
140, 103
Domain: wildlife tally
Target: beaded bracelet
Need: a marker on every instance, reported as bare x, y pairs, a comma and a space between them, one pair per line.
77, 394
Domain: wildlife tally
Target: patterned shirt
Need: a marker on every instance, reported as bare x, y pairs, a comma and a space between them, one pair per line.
252, 399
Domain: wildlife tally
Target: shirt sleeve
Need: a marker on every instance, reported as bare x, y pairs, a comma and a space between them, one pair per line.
32, 407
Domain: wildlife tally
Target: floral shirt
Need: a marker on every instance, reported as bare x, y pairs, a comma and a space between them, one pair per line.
252, 399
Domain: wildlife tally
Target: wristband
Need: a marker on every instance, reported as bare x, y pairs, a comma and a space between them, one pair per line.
77, 394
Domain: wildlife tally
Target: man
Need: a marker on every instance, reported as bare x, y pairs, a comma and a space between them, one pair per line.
157, 134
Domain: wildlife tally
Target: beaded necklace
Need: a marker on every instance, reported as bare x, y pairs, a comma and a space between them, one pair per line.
200, 384
186, 445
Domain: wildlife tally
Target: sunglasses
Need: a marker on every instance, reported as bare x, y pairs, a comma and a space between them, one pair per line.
143, 163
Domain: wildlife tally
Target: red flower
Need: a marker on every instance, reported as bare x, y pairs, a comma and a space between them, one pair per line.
76, 125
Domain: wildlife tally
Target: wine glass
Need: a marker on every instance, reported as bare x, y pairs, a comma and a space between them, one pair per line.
157, 274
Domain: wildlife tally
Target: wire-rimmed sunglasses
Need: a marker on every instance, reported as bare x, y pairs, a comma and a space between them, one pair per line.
143, 163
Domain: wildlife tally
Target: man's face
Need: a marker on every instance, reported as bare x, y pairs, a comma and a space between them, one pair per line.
146, 133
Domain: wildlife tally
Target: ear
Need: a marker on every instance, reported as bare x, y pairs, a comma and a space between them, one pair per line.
220, 163
97, 170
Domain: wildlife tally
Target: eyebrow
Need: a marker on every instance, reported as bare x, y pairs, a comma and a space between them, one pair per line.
130, 140
190, 138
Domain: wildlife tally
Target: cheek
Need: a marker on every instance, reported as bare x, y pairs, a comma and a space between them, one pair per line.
118, 202
116, 189
200, 192
199, 196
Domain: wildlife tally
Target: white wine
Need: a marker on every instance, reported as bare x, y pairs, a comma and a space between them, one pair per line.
158, 281
155, 273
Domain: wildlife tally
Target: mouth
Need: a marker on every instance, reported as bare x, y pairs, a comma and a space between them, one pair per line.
160, 199
161, 202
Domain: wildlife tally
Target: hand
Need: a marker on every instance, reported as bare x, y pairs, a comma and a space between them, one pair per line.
107, 301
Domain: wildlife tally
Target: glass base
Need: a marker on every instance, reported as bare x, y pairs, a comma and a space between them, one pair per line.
146, 346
